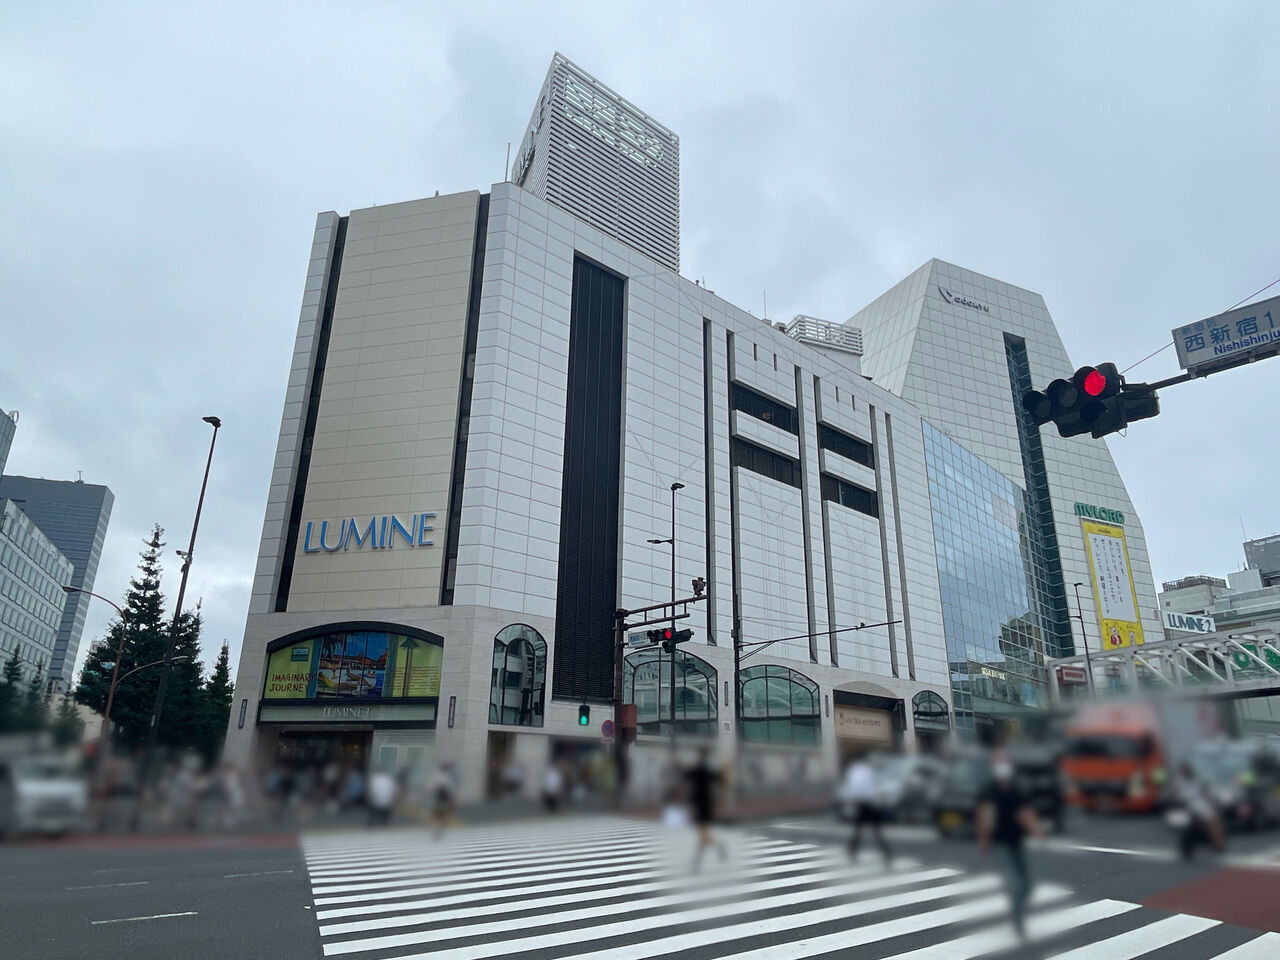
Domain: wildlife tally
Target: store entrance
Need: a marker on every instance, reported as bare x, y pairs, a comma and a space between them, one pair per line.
298, 749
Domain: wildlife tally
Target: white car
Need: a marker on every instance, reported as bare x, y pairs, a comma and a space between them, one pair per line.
41, 794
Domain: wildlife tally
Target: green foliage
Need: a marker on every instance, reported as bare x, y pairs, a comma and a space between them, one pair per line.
66, 724
11, 698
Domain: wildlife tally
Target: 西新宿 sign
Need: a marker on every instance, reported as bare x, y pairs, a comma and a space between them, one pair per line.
1237, 336
1105, 514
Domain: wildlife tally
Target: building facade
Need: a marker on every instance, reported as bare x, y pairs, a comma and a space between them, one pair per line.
499, 416
74, 516
590, 152
8, 426
963, 348
32, 574
1264, 556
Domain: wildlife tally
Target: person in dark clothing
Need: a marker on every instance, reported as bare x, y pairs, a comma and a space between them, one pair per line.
1005, 819
702, 782
860, 788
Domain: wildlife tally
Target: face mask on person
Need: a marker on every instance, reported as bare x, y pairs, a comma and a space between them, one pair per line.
1003, 771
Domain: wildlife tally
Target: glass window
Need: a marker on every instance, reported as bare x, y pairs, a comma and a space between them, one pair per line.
765, 462
779, 705
519, 676
851, 447
764, 408
647, 683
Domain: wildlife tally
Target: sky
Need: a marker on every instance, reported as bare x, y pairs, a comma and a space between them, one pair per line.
161, 166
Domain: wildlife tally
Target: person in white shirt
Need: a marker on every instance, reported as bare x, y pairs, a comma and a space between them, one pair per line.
552, 785
860, 787
382, 796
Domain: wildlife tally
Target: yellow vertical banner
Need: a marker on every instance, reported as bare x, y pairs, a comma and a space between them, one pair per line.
417, 668
1113, 589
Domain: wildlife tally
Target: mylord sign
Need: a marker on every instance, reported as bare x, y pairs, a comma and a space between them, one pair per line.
1105, 514
1237, 336
375, 533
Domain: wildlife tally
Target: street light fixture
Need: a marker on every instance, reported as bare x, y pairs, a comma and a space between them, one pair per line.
115, 668
1084, 638
186, 556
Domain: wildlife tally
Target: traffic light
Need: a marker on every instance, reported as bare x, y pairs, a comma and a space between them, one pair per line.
669, 638
1096, 400
584, 716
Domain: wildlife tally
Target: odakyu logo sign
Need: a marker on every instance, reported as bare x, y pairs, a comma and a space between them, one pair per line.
375, 533
950, 297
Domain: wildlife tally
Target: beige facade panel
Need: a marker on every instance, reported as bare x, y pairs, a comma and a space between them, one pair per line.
388, 410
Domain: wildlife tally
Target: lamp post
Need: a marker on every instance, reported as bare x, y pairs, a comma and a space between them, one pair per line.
163, 686
672, 540
1084, 637
115, 669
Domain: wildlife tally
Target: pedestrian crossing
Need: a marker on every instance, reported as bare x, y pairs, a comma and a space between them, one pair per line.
612, 889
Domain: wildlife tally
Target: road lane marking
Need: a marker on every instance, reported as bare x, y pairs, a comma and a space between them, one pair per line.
158, 916
1264, 947
260, 873
98, 886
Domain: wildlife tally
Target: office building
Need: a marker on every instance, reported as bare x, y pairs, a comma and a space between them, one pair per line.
32, 574
498, 412
8, 424
74, 516
1264, 556
963, 348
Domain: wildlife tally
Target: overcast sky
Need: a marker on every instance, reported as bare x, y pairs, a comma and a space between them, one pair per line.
161, 166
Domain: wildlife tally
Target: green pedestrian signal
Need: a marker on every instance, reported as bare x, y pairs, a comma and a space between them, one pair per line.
584, 716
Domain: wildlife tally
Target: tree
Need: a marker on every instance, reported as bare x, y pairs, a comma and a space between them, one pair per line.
216, 708
10, 693
66, 725
34, 714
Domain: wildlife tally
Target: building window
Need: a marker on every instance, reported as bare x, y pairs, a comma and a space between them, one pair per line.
850, 495
929, 712
779, 705
763, 408
355, 665
829, 438
519, 676
763, 461
646, 682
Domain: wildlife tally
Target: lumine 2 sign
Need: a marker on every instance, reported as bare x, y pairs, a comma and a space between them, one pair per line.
376, 533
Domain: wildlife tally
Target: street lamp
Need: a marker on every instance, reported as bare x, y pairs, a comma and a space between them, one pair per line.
1084, 637
186, 556
672, 540
115, 668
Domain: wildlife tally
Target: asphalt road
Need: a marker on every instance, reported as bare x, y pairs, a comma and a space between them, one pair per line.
158, 899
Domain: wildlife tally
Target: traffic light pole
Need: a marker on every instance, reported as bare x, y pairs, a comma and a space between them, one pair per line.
666, 613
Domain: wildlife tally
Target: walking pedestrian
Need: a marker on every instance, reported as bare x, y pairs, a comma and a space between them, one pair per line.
860, 788
442, 789
1005, 819
703, 782
552, 787
1201, 815
382, 796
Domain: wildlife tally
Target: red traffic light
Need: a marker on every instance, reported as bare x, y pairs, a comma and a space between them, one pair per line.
1094, 383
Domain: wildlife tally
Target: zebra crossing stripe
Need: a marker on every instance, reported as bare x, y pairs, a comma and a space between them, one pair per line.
1039, 926
389, 900
645, 949
1144, 939
675, 898
392, 848
1265, 947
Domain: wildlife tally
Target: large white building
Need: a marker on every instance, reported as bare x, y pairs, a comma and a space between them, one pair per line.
489, 403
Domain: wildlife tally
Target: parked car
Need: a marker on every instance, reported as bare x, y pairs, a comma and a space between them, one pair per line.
905, 787
1243, 778
969, 774
41, 794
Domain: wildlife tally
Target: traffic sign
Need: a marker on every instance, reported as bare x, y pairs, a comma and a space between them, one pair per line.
1237, 336
606, 729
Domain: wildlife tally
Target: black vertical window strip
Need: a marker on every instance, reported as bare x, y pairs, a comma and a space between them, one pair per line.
587, 589
309, 426
708, 476
463, 427
1045, 574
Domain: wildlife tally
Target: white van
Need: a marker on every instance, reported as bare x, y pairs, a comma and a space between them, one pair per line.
41, 793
